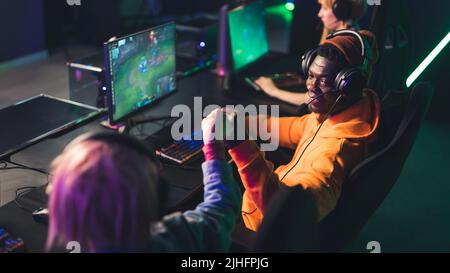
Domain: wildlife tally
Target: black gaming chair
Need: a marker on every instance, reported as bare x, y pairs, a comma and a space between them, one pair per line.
370, 181
290, 223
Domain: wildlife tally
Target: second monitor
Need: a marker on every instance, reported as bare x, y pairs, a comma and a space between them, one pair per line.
248, 35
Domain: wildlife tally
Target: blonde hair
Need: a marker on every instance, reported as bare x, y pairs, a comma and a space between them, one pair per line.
359, 8
102, 195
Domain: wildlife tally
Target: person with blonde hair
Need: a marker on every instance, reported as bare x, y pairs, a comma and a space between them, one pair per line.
340, 14
106, 195
335, 15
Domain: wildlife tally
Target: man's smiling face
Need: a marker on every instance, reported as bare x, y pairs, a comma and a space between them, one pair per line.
321, 75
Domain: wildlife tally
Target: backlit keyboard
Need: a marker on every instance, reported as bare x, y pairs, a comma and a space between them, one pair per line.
181, 151
9, 244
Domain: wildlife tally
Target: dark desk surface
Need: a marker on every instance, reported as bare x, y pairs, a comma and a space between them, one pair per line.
205, 84
19, 222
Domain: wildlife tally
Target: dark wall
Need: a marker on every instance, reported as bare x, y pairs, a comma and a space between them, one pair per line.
95, 21
306, 26
21, 28
190, 6
92, 22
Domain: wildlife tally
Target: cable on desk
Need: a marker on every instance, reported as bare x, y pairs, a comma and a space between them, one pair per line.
24, 167
24, 190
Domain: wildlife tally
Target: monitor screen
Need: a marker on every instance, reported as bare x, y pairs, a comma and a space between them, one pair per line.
30, 121
247, 34
140, 69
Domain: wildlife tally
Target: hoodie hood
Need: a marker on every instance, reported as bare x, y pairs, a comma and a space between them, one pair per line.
359, 121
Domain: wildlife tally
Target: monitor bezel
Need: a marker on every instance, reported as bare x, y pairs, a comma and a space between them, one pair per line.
109, 95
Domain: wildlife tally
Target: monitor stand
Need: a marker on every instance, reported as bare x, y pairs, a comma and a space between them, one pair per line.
120, 127
126, 126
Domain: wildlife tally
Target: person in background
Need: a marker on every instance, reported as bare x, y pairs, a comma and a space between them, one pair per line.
348, 14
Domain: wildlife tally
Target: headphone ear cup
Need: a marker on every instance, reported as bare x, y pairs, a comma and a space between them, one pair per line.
349, 81
342, 9
307, 60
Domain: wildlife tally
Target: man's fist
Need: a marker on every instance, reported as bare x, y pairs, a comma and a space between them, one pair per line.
219, 125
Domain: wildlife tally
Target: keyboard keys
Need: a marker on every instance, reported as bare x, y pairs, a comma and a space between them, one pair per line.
9, 244
181, 151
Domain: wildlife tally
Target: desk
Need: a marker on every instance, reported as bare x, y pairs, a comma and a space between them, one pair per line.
19, 223
205, 84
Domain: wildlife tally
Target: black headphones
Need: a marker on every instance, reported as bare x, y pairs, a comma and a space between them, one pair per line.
122, 139
141, 148
350, 79
342, 9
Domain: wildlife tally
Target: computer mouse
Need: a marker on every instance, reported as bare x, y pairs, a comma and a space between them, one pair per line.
40, 215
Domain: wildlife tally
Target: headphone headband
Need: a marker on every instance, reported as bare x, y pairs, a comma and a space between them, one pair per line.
343, 9
351, 78
125, 140
350, 32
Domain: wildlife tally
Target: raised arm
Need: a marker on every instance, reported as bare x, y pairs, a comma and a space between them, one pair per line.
207, 228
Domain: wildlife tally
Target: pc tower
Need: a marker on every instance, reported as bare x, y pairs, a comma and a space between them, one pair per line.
224, 63
87, 80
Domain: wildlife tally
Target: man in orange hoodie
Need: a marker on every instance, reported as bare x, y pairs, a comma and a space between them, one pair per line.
328, 143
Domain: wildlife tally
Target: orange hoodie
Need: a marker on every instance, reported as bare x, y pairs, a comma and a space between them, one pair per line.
337, 148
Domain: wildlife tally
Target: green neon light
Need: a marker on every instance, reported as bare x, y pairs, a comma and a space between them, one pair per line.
427, 60
290, 6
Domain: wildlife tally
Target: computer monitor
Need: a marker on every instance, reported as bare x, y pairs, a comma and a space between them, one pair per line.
140, 69
32, 120
247, 34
